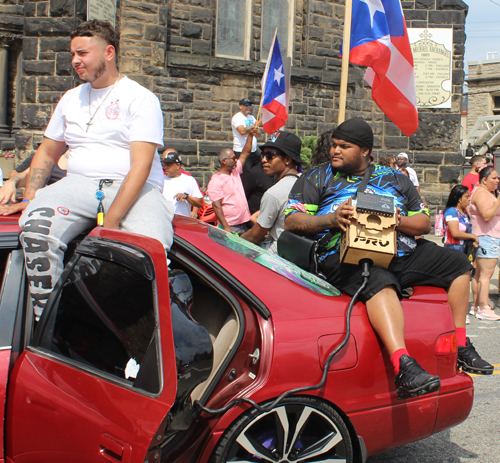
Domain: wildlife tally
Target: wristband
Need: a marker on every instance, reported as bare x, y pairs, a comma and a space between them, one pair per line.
26, 200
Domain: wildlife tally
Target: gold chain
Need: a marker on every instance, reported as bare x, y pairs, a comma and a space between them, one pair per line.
89, 123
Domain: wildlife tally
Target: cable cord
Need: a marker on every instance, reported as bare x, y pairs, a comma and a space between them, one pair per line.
366, 264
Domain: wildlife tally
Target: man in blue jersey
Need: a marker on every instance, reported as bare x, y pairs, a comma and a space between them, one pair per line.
318, 203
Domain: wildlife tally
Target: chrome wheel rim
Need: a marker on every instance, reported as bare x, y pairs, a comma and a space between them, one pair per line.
292, 433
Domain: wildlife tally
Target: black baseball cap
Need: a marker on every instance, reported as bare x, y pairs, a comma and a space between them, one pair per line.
173, 156
244, 102
286, 142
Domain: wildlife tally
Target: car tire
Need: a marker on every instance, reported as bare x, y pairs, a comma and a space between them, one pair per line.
299, 429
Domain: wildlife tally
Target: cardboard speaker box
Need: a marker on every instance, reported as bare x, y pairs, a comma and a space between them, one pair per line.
370, 235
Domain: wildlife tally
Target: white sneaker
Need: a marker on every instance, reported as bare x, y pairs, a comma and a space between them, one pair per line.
472, 309
467, 320
487, 314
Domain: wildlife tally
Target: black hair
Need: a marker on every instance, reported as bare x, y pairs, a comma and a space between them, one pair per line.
477, 158
455, 194
97, 28
322, 151
485, 172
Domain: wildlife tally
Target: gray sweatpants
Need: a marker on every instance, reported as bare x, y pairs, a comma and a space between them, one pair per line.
63, 210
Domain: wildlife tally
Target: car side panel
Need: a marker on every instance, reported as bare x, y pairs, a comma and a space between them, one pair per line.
53, 399
4, 374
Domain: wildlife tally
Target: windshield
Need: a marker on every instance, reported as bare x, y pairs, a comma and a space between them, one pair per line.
272, 262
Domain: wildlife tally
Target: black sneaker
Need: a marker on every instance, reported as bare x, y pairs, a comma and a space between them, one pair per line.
413, 381
471, 362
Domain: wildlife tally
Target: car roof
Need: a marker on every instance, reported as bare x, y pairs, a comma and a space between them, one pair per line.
259, 279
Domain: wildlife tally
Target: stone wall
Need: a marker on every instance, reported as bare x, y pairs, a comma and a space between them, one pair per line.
11, 28
169, 46
484, 82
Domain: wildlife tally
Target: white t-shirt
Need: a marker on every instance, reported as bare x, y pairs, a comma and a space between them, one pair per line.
182, 184
239, 140
124, 113
412, 176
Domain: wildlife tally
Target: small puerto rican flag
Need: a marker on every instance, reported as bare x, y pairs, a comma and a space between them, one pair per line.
274, 107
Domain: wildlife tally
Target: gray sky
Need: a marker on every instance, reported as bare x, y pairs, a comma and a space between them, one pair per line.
482, 27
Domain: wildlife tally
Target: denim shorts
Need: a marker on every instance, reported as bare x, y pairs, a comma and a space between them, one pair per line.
488, 247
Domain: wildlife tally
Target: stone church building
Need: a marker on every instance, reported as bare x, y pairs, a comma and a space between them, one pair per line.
200, 57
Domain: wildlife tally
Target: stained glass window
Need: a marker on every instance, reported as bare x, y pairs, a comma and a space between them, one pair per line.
233, 28
277, 13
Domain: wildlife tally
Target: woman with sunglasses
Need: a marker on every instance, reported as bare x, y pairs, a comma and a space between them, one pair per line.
485, 215
280, 157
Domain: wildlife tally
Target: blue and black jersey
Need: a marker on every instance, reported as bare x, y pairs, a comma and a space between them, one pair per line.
321, 190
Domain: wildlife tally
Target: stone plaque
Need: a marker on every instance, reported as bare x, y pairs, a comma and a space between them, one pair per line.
105, 10
432, 58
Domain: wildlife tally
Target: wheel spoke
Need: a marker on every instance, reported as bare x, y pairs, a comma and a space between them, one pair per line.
282, 438
304, 416
250, 447
321, 447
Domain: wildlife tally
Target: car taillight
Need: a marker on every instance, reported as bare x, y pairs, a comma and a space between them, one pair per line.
447, 344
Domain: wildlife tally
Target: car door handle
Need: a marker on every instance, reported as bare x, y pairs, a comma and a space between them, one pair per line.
113, 450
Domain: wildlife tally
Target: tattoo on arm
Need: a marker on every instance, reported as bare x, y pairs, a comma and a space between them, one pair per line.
305, 224
38, 178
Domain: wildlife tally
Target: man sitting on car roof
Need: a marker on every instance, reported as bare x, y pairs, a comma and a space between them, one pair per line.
113, 127
318, 203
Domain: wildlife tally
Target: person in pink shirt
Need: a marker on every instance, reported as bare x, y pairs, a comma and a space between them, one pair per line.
226, 191
472, 178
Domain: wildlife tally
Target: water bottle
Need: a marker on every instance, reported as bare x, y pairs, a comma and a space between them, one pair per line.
438, 224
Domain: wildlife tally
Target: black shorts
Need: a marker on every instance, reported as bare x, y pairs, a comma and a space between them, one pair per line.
428, 265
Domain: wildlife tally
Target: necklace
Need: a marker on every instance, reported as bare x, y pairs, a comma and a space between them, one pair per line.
485, 187
89, 123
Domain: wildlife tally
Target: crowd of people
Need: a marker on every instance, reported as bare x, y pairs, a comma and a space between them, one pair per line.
99, 161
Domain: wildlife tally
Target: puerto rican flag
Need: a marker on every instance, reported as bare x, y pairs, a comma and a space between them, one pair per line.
274, 106
380, 41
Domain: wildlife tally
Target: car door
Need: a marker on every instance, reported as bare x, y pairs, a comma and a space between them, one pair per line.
99, 377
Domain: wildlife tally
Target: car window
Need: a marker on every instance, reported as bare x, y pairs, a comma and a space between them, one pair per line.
105, 320
273, 262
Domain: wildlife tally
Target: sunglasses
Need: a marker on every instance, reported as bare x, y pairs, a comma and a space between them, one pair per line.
250, 104
269, 154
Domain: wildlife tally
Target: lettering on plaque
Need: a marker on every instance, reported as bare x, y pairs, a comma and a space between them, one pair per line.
104, 10
432, 59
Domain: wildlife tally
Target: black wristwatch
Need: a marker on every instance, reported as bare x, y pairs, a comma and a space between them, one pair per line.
187, 196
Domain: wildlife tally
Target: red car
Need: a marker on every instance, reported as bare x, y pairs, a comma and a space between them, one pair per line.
128, 352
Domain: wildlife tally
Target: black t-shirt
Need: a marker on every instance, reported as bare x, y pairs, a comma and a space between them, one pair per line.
255, 183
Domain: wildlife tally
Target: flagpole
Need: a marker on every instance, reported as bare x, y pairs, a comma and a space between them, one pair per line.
265, 81
344, 77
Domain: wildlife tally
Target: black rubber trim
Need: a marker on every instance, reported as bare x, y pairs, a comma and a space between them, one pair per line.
10, 296
193, 251
9, 240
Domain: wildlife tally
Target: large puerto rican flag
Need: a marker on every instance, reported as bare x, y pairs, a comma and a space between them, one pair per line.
274, 107
380, 41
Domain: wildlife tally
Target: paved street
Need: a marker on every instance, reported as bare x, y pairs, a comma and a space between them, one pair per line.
475, 440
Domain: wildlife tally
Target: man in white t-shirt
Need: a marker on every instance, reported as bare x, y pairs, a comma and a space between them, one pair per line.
241, 123
408, 171
113, 127
178, 188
